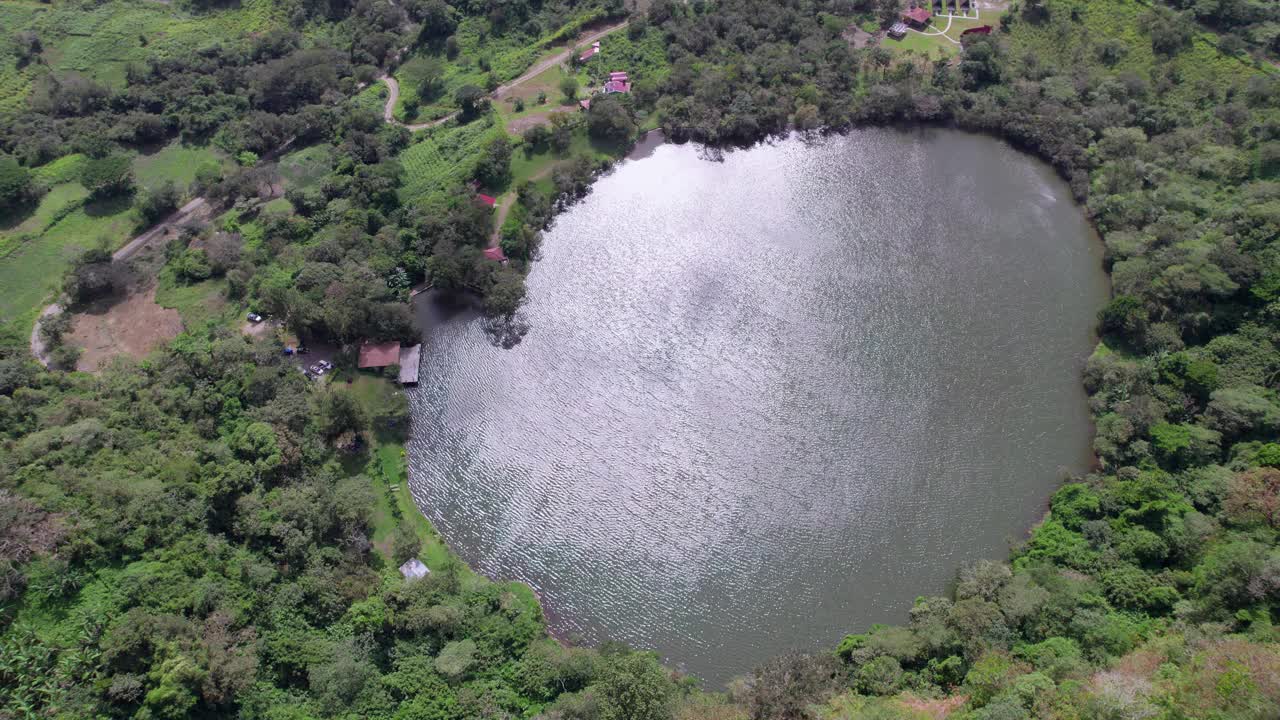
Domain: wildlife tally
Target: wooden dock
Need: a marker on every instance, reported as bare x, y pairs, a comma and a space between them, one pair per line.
409, 357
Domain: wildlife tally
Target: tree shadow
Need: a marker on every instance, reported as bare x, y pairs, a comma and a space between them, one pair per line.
508, 331
108, 206
13, 217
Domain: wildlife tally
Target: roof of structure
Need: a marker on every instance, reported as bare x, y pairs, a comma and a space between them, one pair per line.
617, 86
413, 569
588, 54
376, 355
486, 199
919, 15
495, 253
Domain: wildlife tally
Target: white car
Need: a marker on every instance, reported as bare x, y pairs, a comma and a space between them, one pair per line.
255, 318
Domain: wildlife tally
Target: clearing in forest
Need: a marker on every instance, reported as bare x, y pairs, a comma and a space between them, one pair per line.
133, 325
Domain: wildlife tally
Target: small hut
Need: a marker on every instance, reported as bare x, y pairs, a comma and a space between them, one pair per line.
414, 569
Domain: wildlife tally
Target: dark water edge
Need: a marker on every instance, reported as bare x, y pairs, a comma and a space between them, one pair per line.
697, 551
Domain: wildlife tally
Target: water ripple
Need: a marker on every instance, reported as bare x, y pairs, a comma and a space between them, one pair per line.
767, 401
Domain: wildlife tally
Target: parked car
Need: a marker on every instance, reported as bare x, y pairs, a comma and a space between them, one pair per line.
255, 318
325, 364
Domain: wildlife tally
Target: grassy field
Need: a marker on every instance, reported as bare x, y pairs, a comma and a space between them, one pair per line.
32, 270
305, 168
177, 162
445, 157
941, 39
199, 303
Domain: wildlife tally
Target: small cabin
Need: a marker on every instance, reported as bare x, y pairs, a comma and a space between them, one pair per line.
916, 17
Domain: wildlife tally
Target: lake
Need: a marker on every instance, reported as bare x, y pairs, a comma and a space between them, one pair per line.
770, 397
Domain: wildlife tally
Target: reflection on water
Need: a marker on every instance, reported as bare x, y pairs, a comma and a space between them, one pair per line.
766, 401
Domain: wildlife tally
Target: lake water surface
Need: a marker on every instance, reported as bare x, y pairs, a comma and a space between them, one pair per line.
767, 400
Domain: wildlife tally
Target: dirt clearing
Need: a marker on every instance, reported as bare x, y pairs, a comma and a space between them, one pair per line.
133, 325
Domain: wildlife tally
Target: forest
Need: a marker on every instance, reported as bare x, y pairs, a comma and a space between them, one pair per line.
206, 533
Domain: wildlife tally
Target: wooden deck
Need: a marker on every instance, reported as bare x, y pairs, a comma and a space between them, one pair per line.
409, 357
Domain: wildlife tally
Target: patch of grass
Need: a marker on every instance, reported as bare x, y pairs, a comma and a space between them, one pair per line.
278, 206
305, 168
526, 166
931, 46
388, 467
63, 170
176, 162
199, 303
56, 204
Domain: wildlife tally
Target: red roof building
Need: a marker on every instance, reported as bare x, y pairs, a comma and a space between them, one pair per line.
588, 54
376, 355
495, 253
917, 16
980, 30
486, 199
619, 76
585, 104
617, 86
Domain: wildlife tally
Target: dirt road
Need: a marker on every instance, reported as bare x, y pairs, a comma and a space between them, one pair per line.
393, 87
181, 215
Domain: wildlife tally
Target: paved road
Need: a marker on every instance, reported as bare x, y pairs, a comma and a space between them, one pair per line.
393, 87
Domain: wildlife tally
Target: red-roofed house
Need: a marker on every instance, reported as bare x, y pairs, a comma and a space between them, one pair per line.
485, 199
619, 76
376, 355
616, 86
980, 30
585, 104
495, 253
589, 54
917, 17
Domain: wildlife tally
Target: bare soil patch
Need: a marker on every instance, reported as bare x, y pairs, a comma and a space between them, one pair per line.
938, 708
520, 124
858, 38
132, 325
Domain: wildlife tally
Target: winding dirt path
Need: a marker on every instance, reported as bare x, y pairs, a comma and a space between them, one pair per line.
393, 86
180, 215
507, 201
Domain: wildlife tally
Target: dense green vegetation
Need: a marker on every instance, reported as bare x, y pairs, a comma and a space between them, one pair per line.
206, 534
